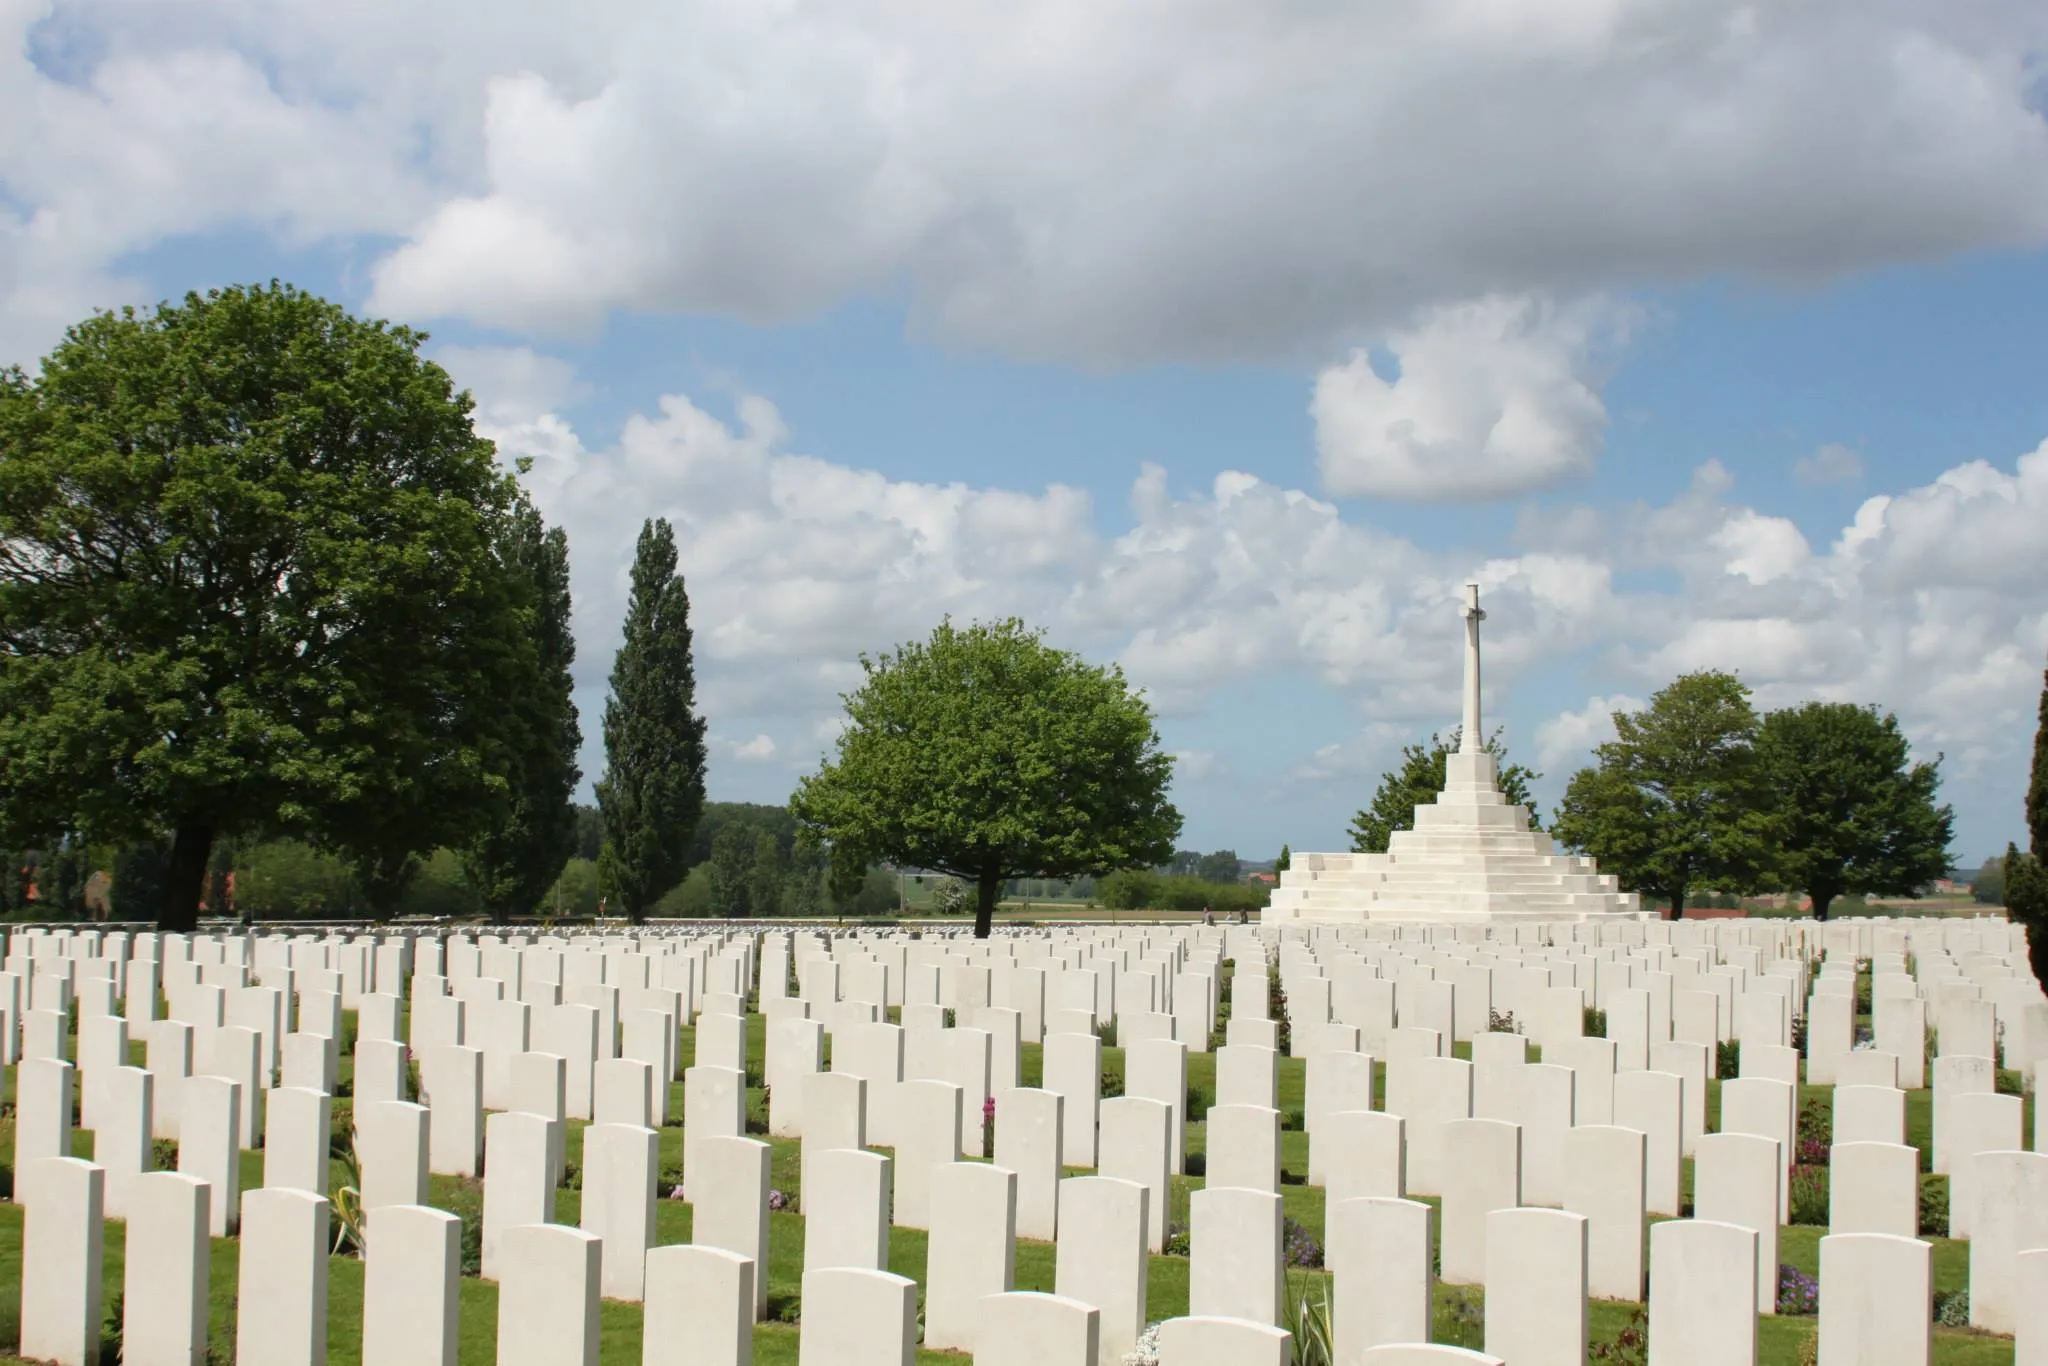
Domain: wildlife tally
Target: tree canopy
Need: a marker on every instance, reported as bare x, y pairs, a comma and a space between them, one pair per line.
652, 792
987, 754
732, 864
1419, 780
1849, 810
1672, 802
249, 580
516, 861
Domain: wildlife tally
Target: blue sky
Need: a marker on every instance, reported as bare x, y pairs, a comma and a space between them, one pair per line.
1211, 353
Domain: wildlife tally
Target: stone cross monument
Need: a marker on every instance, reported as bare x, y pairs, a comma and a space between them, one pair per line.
1472, 856
1471, 741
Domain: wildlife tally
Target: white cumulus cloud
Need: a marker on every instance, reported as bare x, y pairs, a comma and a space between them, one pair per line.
758, 749
796, 565
1098, 183
1492, 399
1568, 736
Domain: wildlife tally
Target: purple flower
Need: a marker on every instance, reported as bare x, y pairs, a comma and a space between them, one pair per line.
1299, 1247
777, 1202
1798, 1293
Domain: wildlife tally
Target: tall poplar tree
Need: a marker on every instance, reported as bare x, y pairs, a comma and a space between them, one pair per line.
652, 793
2026, 875
517, 860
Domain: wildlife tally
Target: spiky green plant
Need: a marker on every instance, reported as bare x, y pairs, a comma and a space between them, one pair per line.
1309, 1320
351, 1221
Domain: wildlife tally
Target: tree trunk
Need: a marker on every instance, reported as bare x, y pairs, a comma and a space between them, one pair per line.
1821, 899
185, 877
1678, 903
987, 888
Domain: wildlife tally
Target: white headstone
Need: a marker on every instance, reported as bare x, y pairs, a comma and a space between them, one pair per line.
1702, 1294
971, 1250
61, 1259
620, 1163
728, 1191
1379, 1253
548, 1297
1536, 1287
281, 1311
1235, 1268
700, 1307
411, 1308
1101, 1255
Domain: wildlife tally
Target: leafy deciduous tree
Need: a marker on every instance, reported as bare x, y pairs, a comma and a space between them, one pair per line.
1849, 811
1672, 802
1420, 780
803, 892
1130, 889
987, 754
732, 867
764, 878
652, 792
1987, 888
248, 581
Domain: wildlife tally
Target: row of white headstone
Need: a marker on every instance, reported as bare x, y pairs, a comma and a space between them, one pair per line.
702, 1300
1243, 1140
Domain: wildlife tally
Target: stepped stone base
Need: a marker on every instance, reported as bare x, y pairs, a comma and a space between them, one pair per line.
1471, 859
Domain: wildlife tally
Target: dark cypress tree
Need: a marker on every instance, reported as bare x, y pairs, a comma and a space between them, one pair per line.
653, 788
2037, 782
513, 864
2026, 875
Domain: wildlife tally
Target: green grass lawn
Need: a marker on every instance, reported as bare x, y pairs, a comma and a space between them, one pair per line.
1458, 1317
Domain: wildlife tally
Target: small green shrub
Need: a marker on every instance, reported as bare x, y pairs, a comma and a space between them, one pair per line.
1934, 1207
1630, 1345
1809, 1196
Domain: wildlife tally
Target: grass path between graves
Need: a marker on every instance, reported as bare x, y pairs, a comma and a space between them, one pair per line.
1459, 1310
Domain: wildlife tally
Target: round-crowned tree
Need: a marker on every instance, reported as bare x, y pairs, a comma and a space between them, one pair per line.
251, 579
987, 754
